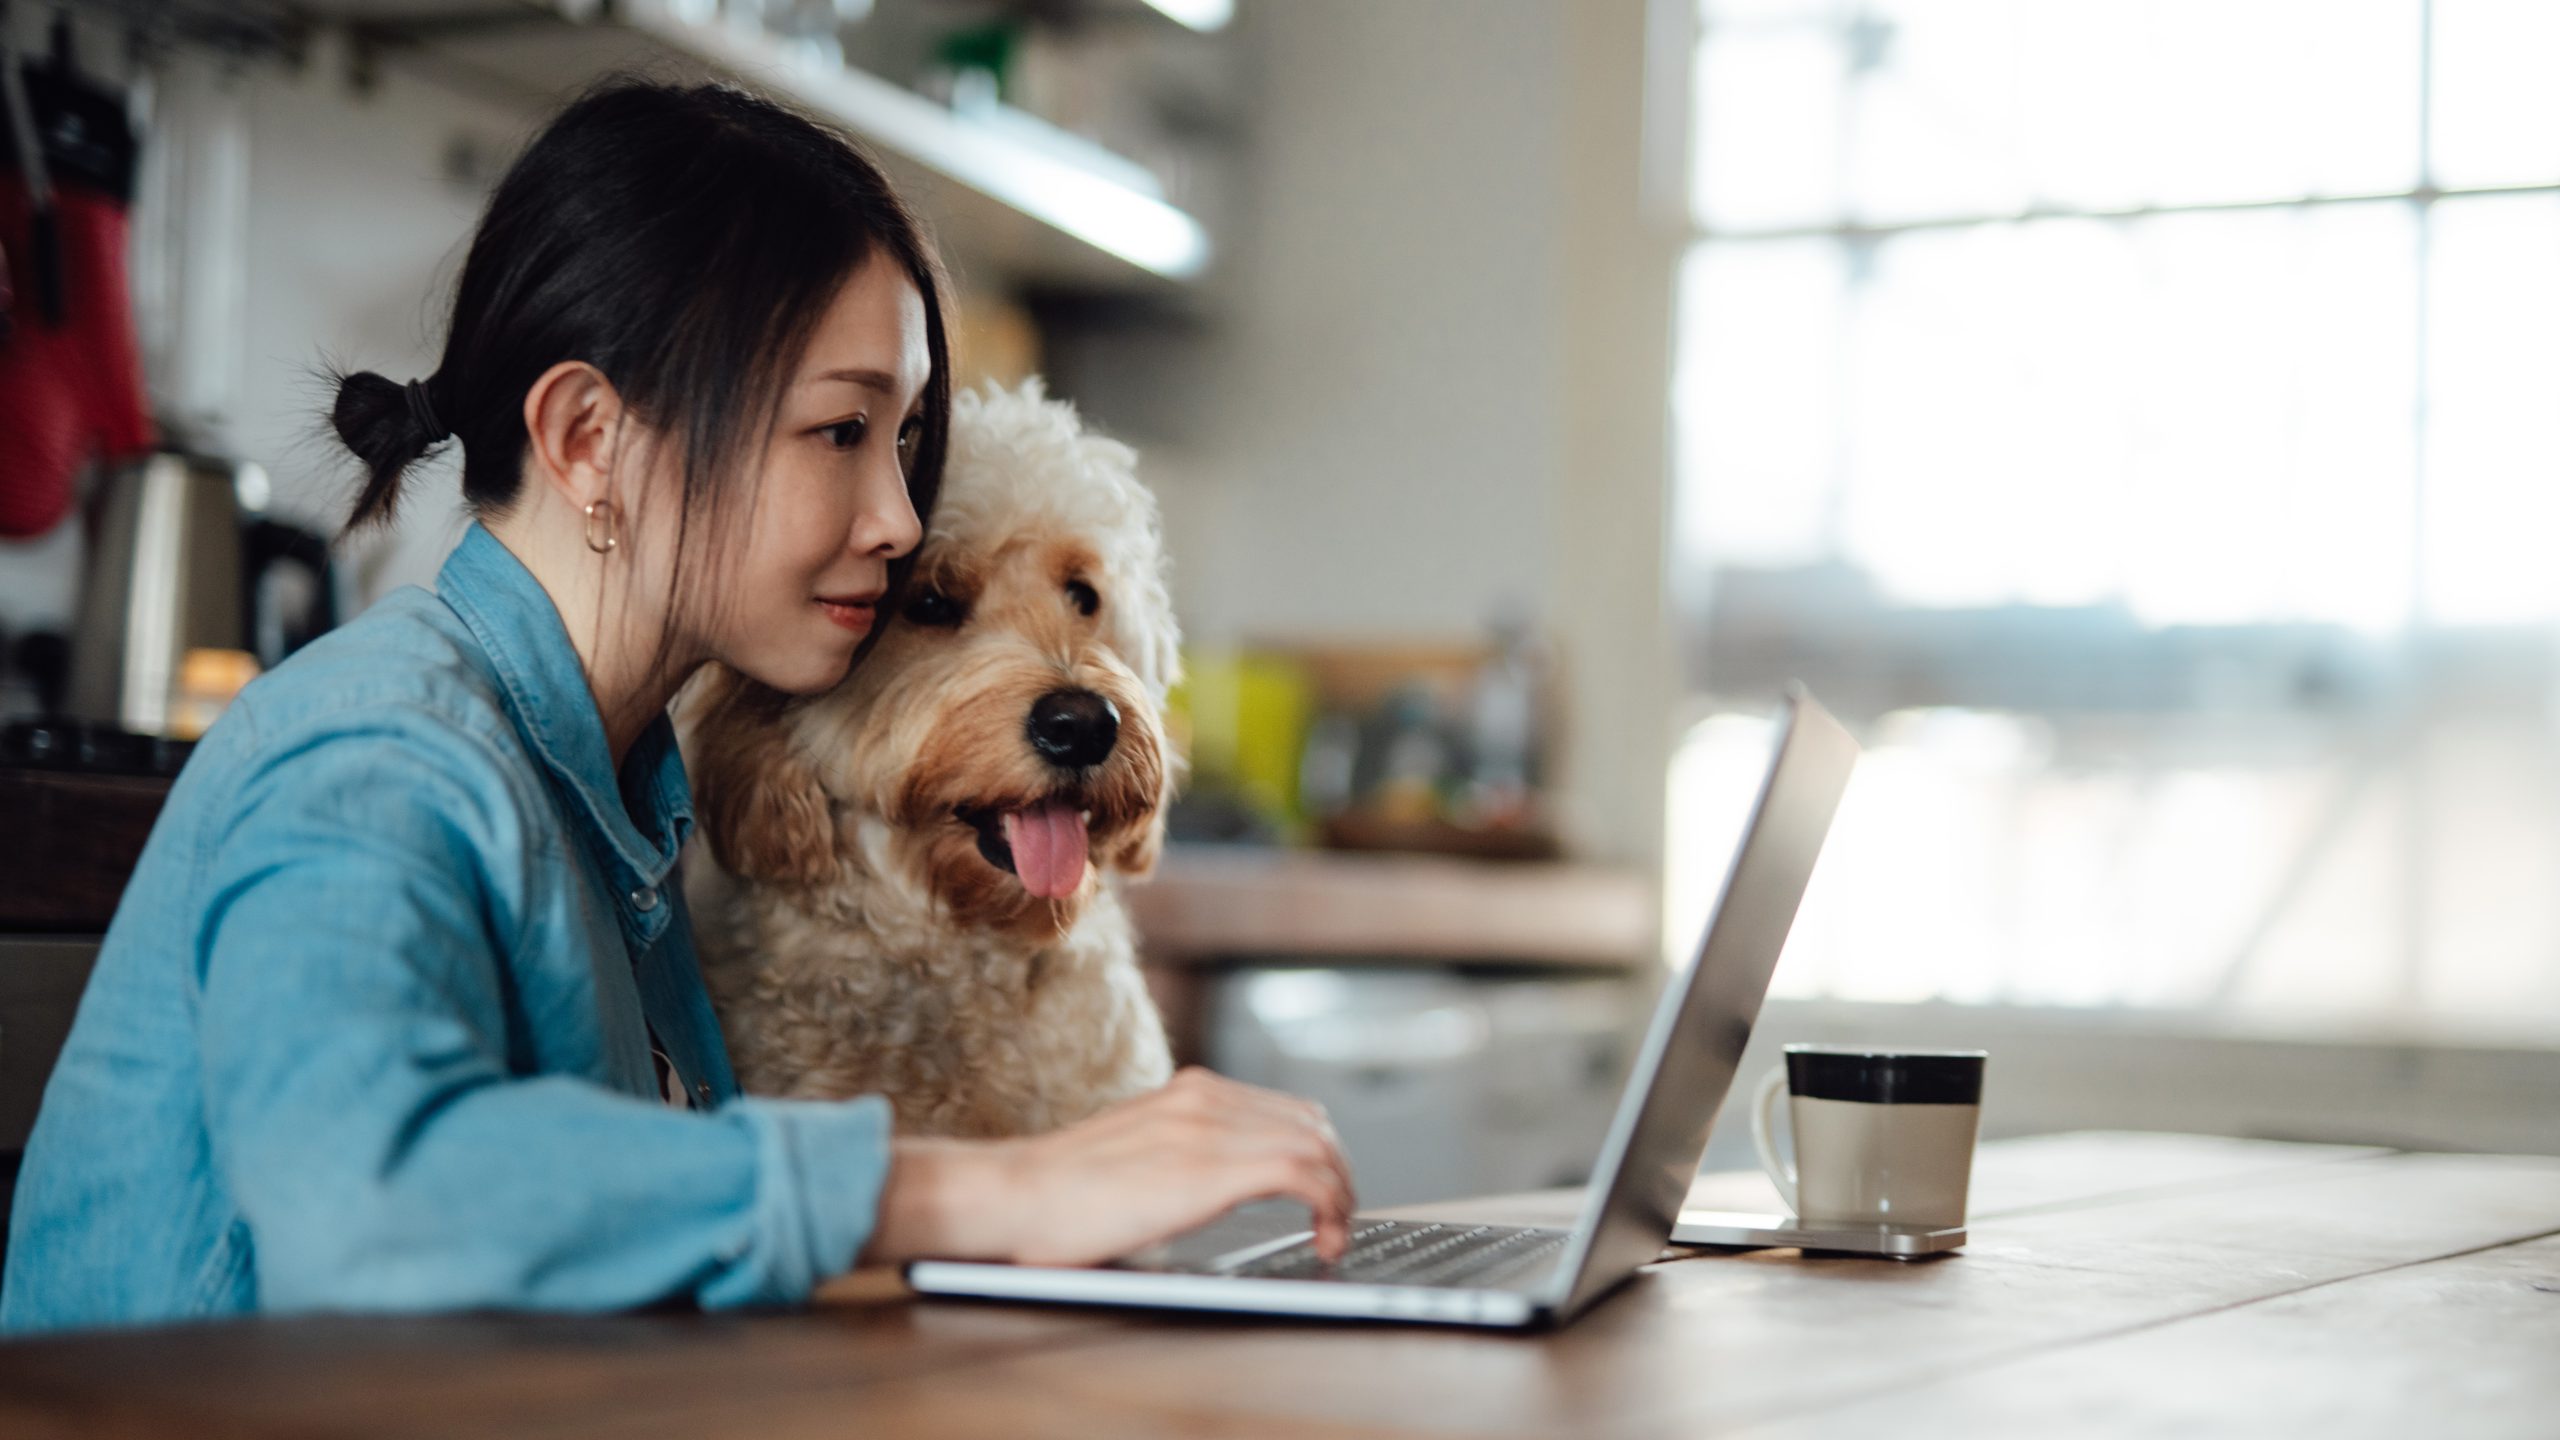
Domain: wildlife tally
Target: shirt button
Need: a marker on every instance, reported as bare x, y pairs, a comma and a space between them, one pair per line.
645, 899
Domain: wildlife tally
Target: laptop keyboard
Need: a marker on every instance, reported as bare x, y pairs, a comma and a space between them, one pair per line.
1407, 1252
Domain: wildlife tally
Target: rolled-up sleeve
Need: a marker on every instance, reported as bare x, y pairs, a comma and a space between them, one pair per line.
354, 1012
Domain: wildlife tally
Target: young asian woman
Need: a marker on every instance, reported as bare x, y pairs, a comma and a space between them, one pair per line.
400, 1011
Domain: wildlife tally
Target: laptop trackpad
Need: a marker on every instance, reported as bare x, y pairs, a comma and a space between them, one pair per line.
1240, 1232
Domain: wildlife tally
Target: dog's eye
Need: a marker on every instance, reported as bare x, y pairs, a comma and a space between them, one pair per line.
1086, 599
932, 607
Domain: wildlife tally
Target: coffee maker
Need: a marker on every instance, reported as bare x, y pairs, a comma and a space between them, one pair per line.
188, 587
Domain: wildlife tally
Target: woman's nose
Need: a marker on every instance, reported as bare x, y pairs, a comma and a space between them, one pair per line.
890, 527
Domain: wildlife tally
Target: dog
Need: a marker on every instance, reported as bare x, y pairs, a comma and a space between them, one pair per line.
912, 888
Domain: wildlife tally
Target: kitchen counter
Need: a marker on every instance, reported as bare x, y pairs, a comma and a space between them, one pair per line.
1213, 904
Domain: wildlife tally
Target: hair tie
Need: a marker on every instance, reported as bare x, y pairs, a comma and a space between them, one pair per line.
424, 412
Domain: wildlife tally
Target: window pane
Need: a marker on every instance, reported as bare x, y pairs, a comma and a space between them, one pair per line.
1712, 11
2084, 104
2493, 387
1987, 414
2497, 104
2274, 99
2274, 449
1768, 149
1756, 401
2350, 483
2262, 863
2204, 416
1974, 107
1983, 856
2359, 95
1965, 108
1934, 129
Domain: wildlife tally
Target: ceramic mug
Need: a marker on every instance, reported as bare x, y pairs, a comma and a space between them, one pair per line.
1882, 1137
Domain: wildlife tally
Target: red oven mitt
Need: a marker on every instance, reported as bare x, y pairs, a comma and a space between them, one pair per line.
70, 369
73, 391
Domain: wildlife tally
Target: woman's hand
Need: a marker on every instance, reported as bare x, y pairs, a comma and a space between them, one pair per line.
1142, 1170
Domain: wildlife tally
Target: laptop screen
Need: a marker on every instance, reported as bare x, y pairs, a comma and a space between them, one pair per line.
1705, 1016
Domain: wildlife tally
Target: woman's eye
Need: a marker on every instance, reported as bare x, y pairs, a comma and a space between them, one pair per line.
845, 434
908, 436
932, 607
1086, 599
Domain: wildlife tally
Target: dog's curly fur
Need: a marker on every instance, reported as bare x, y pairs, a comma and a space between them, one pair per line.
855, 936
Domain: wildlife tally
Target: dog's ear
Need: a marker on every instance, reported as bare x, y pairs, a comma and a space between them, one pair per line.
761, 806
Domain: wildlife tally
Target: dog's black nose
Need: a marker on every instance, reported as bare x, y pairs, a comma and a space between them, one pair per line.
1073, 728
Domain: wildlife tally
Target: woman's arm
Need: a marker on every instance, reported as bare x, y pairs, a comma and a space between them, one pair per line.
353, 1016
1144, 1169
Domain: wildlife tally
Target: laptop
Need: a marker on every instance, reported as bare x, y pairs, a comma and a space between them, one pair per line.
1513, 1276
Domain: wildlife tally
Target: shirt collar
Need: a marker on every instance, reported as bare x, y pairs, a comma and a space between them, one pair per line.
546, 692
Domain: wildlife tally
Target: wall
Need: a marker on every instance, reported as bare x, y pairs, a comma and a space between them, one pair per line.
1438, 390
1383, 417
357, 228
1625, 197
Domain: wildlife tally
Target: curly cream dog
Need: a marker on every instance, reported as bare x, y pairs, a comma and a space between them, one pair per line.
910, 897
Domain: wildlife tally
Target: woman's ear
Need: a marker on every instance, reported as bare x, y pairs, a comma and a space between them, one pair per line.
761, 806
572, 419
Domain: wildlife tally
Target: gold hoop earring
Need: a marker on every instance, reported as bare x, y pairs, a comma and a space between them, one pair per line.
604, 542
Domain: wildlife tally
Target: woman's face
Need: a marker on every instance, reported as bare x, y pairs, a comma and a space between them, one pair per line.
830, 510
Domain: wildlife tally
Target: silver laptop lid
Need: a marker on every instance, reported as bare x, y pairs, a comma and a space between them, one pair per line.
1706, 1013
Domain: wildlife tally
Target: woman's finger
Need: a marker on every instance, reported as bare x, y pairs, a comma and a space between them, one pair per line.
1299, 1124
1296, 1143
1313, 1185
1287, 1112
1279, 1107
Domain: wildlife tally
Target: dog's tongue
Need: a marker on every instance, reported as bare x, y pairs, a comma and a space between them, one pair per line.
1048, 849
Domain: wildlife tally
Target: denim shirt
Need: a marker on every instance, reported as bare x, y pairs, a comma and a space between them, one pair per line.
371, 1029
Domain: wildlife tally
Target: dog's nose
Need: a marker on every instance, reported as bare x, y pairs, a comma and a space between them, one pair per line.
1073, 728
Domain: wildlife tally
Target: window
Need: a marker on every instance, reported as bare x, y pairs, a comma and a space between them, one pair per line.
2141, 418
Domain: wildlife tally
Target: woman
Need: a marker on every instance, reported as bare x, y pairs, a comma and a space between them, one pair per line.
400, 1011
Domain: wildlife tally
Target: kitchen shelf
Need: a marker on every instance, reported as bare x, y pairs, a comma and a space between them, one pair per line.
1096, 204
1039, 205
1212, 905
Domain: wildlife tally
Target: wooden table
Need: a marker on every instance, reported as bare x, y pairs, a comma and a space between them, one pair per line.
2117, 1284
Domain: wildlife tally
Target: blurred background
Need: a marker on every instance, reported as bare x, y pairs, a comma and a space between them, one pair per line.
2140, 419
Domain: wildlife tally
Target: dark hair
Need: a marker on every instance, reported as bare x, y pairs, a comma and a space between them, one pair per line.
685, 242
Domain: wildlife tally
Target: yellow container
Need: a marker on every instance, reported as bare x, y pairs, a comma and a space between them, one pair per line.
1244, 716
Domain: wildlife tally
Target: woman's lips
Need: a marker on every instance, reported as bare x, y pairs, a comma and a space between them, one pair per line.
854, 614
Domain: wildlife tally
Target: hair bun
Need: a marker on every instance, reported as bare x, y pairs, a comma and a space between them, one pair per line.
388, 428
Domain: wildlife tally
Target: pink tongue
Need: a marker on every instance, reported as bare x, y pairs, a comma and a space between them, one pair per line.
1048, 849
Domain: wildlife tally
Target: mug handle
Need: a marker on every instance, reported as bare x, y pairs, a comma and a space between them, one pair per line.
1772, 1085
